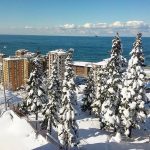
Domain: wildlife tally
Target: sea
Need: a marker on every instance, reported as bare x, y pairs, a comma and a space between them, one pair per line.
86, 48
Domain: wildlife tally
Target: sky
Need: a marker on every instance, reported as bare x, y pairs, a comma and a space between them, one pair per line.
75, 17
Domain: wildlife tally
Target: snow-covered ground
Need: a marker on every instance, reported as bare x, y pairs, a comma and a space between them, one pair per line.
11, 98
17, 134
91, 137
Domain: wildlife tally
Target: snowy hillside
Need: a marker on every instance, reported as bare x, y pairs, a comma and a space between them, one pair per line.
17, 134
9, 96
91, 137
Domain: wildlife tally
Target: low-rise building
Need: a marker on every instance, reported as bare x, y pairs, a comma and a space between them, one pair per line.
82, 68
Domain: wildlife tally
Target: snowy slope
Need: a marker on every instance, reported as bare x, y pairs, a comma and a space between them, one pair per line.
92, 138
17, 134
9, 96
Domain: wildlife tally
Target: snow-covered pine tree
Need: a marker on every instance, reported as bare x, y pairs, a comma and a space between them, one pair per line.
133, 100
68, 128
89, 92
36, 89
109, 110
100, 93
54, 94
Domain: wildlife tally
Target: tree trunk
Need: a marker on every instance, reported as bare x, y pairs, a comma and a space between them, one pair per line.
49, 126
36, 118
130, 131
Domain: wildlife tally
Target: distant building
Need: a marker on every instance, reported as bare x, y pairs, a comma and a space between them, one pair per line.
21, 52
60, 54
17, 69
1, 57
16, 72
82, 68
13, 72
24, 53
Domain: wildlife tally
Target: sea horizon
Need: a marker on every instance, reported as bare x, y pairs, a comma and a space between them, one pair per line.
86, 48
73, 35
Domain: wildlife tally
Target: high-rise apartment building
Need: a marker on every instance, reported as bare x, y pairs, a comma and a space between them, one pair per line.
16, 72
60, 54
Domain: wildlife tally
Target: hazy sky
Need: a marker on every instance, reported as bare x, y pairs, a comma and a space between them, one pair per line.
75, 17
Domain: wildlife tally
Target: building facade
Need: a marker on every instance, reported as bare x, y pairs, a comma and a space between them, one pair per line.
1, 57
82, 68
13, 71
61, 56
16, 71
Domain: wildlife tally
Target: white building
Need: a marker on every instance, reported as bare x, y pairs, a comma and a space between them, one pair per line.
60, 54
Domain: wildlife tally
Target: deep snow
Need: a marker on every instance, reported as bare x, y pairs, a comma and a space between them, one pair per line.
17, 134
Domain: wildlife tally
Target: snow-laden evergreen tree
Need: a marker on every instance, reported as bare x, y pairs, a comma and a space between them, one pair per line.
68, 128
54, 94
36, 89
89, 92
111, 96
100, 93
133, 100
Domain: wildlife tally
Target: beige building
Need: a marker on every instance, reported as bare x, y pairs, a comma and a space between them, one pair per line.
1, 57
21, 52
60, 54
16, 72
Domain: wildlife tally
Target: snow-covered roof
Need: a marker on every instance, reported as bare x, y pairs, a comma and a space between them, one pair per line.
29, 54
101, 63
90, 64
22, 50
82, 63
57, 51
13, 58
147, 71
1, 54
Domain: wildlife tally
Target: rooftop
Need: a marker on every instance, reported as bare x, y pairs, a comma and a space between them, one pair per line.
21, 50
1, 54
13, 58
57, 51
90, 64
